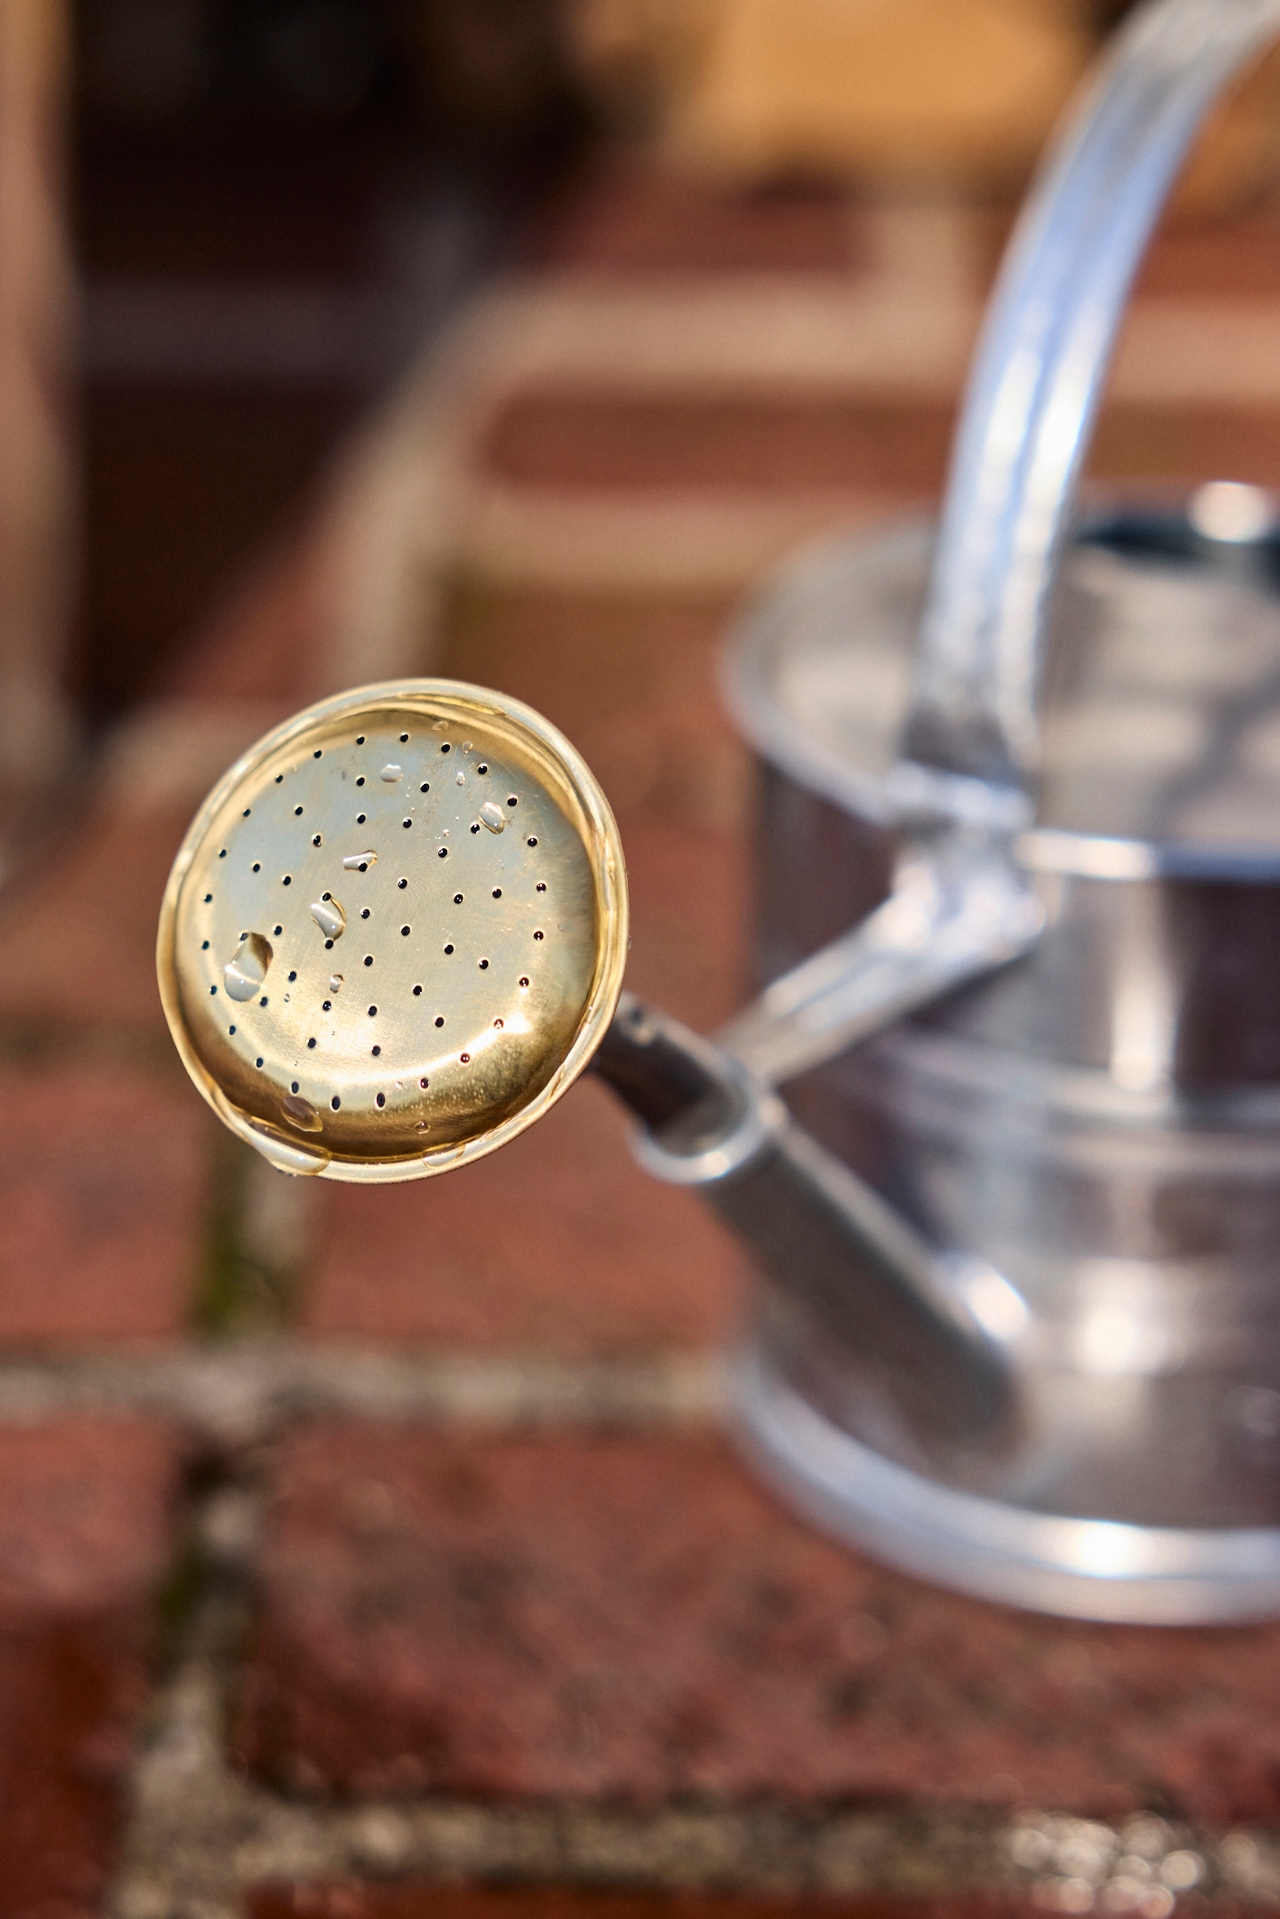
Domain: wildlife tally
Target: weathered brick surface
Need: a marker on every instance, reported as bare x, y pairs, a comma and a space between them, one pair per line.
84, 1512
558, 1244
104, 1192
632, 1618
424, 1900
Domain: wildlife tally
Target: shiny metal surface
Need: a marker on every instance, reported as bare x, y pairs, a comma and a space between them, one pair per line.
958, 907
395, 932
1097, 1125
1038, 376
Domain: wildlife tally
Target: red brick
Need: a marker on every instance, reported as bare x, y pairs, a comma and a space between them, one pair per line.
558, 1244
615, 442
633, 220
632, 1619
259, 639
78, 943
424, 1899
84, 1513
569, 437
104, 1186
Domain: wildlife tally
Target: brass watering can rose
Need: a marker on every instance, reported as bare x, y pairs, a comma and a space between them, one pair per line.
395, 931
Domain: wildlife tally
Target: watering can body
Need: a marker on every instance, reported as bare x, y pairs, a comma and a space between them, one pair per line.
1085, 1127
1093, 1130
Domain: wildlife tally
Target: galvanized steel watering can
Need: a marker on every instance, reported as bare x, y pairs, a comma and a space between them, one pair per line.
1019, 1326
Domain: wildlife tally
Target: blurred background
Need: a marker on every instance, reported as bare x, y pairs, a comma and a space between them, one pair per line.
269, 207
518, 340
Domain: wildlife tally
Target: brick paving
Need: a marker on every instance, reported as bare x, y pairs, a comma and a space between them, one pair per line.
85, 1510
372, 1554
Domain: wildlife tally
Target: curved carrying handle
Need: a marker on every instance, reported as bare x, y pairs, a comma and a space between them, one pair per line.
1038, 375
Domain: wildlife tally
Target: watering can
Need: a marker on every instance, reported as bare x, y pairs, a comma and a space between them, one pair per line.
1003, 1127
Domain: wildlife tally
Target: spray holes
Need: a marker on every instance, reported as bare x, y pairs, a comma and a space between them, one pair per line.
257, 1062
512, 800
257, 866
360, 781
539, 934
278, 930
294, 1087
223, 854
402, 884
448, 948
484, 966
207, 898
382, 1099
542, 886
326, 1006
373, 1012
406, 823
287, 880
377, 1051
205, 947
231, 1029
279, 777
465, 1058
443, 854
361, 818
335, 1102
246, 813
531, 842
439, 1019
417, 992
482, 768
364, 912
263, 1000
457, 899
424, 1083
327, 945
497, 892
446, 748
476, 827
404, 932
368, 959
425, 787
359, 739
317, 753
404, 739
497, 1022
311, 1045
297, 812
293, 976
524, 979
212, 991
316, 840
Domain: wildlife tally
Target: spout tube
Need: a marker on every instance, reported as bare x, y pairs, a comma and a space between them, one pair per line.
825, 1238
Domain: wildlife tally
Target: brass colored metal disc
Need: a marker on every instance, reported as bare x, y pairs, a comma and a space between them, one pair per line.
395, 932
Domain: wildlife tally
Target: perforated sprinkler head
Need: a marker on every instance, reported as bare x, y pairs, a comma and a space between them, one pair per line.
395, 931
